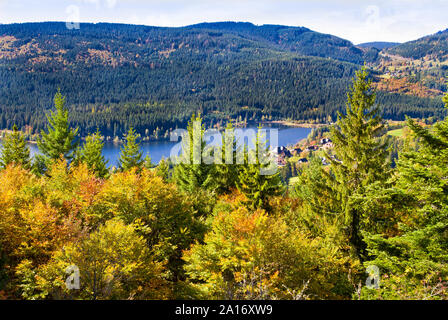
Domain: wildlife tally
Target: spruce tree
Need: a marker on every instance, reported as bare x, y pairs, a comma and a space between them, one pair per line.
362, 154
191, 173
60, 139
130, 155
256, 186
227, 172
163, 169
147, 162
14, 150
92, 155
416, 251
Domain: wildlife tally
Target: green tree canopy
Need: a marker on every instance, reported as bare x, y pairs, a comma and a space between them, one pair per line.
256, 185
59, 139
92, 154
131, 155
14, 150
191, 172
362, 156
416, 253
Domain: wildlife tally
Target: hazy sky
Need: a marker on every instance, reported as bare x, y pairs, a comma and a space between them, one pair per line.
355, 20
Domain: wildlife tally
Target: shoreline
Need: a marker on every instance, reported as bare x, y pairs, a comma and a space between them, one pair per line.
290, 123
286, 123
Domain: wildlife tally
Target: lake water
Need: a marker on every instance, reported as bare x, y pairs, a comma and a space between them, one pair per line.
162, 149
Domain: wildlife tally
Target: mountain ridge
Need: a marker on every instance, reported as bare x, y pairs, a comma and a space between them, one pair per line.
116, 75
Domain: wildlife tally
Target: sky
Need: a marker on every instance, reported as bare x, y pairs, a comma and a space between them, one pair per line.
356, 20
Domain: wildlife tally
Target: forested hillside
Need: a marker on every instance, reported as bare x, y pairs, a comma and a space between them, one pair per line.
416, 68
378, 45
115, 76
366, 218
435, 44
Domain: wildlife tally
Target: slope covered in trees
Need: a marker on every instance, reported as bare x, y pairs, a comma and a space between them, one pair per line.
435, 45
378, 45
138, 232
417, 67
117, 76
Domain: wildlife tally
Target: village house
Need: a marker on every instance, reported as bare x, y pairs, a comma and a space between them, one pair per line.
283, 151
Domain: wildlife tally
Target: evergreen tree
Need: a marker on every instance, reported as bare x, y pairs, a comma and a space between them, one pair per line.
163, 169
361, 156
286, 172
415, 254
15, 150
191, 172
316, 188
227, 172
92, 155
252, 182
147, 162
130, 155
60, 139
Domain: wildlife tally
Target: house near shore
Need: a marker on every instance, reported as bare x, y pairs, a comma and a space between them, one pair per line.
284, 152
312, 148
325, 141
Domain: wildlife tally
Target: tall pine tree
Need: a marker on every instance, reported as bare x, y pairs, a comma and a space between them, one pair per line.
92, 155
415, 253
60, 139
14, 150
252, 182
131, 156
362, 155
227, 172
191, 173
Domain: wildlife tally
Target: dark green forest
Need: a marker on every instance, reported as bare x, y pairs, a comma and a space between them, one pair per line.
116, 76
358, 227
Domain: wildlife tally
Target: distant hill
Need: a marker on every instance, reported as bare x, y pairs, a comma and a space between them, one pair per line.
378, 45
417, 67
153, 78
435, 46
295, 39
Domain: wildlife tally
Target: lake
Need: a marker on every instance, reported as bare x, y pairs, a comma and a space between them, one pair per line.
162, 149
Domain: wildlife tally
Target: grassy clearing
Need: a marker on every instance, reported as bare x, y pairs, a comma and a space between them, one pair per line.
396, 133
